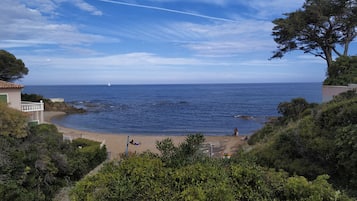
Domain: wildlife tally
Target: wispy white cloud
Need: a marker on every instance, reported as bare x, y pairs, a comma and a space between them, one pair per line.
81, 4
215, 39
212, 2
43, 6
50, 6
130, 60
142, 67
153, 50
168, 10
23, 26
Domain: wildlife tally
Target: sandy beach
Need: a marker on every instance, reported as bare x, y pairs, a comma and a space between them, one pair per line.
116, 142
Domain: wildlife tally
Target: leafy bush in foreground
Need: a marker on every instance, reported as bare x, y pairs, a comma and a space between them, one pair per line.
152, 177
146, 178
34, 167
12, 122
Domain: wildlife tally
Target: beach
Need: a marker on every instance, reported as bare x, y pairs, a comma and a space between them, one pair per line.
116, 143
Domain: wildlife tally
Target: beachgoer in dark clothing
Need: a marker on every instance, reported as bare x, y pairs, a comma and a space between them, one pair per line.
134, 143
236, 133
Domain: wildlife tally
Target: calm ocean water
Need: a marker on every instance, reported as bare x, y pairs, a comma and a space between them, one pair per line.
211, 109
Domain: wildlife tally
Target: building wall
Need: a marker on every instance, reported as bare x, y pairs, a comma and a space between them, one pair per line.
329, 91
14, 97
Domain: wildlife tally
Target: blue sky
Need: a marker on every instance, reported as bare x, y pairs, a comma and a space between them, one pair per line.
151, 41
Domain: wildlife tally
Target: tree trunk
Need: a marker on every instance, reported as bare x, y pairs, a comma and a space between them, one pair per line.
328, 56
345, 51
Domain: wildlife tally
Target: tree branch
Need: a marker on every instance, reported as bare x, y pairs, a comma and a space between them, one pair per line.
336, 52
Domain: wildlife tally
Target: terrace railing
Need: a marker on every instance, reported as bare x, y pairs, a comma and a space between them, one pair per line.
32, 106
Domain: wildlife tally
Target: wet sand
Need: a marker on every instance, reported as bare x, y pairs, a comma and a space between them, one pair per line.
116, 143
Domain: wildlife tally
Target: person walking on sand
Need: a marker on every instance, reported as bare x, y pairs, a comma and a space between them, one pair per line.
236, 133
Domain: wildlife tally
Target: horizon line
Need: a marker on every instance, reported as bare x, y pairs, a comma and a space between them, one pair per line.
157, 84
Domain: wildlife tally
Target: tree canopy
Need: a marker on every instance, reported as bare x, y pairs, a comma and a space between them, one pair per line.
343, 71
318, 28
11, 68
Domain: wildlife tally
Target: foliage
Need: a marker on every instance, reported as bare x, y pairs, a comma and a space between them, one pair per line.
290, 111
350, 94
35, 166
12, 122
146, 178
11, 68
297, 108
33, 97
150, 177
262, 135
346, 149
186, 153
319, 142
138, 178
317, 28
343, 71
88, 155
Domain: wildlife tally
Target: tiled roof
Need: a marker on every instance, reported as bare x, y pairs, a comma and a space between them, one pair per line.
9, 85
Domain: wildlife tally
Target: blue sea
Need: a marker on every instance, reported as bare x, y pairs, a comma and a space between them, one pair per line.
210, 109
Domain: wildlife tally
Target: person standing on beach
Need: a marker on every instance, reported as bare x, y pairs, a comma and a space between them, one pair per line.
236, 133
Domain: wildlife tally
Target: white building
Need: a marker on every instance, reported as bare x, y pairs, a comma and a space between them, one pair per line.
10, 93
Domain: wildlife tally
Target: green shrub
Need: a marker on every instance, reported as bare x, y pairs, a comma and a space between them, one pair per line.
343, 71
337, 114
12, 122
34, 167
318, 142
263, 134
85, 156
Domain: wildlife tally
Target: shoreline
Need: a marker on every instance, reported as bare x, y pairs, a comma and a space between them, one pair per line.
116, 142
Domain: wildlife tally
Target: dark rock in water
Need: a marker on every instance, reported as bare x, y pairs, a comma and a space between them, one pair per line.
63, 107
245, 117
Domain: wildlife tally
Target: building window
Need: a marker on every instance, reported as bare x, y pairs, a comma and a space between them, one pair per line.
3, 98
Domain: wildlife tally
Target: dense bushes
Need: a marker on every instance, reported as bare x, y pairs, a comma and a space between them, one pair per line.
12, 122
290, 112
322, 141
151, 177
343, 71
186, 153
35, 166
87, 155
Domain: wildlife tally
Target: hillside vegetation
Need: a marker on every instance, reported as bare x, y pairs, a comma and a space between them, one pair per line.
311, 140
35, 161
308, 153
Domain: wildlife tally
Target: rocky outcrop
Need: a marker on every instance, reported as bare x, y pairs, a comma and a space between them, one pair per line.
57, 105
63, 107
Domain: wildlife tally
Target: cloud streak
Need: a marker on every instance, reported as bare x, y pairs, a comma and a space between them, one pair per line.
199, 41
168, 10
87, 7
